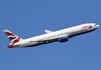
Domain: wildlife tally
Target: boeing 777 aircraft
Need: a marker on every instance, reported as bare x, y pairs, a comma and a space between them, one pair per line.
60, 36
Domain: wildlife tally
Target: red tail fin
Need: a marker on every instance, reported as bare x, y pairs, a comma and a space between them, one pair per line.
13, 38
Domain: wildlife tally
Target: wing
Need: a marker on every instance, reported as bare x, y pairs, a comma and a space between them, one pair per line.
48, 31
50, 39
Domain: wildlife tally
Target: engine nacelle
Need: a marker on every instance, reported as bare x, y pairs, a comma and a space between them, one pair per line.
64, 39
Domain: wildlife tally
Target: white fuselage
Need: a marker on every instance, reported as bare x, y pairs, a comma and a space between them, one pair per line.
55, 36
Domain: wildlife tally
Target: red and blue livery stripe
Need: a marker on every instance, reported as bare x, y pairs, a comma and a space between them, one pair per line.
87, 26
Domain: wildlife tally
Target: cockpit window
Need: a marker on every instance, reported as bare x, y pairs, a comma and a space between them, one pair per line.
95, 24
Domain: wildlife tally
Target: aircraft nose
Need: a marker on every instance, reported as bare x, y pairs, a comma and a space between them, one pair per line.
97, 26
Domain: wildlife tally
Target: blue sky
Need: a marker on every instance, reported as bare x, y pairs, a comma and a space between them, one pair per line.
28, 18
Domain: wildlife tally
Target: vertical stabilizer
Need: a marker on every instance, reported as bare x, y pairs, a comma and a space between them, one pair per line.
12, 37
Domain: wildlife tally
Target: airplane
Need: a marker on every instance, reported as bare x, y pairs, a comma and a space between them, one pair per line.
50, 36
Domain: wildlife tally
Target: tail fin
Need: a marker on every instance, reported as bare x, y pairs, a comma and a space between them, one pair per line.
12, 37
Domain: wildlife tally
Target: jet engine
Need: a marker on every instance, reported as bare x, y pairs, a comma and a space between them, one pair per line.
64, 39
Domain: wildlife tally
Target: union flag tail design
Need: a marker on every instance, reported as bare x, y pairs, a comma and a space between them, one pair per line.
12, 37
